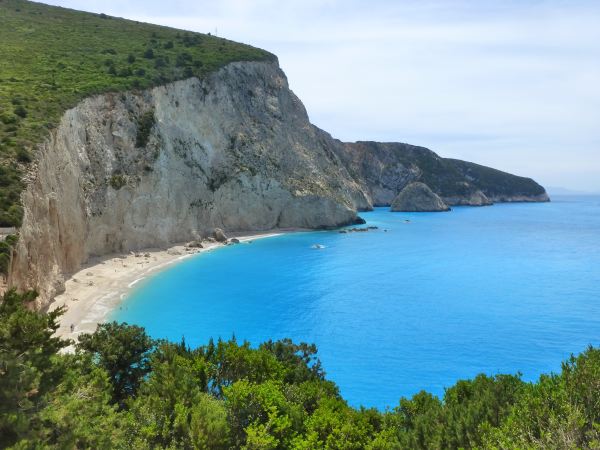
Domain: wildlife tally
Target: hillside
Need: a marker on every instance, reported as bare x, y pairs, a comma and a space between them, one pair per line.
384, 168
51, 58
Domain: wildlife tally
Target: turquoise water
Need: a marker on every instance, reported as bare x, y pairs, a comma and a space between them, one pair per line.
507, 288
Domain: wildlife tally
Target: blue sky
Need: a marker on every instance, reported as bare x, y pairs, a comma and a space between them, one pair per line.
510, 84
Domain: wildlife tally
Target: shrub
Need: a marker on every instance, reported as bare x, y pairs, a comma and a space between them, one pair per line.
23, 155
12, 217
130, 58
183, 59
169, 44
145, 124
117, 181
125, 72
4, 263
8, 118
21, 111
149, 54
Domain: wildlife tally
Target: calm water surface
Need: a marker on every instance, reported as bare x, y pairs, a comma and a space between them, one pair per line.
507, 288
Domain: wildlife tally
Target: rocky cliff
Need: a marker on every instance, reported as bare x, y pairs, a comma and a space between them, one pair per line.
384, 169
148, 169
234, 150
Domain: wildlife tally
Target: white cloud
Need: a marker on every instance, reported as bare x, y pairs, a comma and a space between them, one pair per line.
513, 84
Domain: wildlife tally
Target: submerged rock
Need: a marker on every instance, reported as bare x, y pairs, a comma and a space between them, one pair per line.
417, 197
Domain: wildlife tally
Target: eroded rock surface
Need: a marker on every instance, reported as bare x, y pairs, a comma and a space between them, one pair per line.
417, 197
235, 151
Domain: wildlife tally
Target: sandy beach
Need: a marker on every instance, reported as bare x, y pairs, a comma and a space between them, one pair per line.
100, 286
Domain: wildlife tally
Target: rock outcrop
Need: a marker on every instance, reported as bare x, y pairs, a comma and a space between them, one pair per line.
219, 235
417, 197
234, 151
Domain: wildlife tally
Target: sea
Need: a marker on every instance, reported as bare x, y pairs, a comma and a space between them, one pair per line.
418, 303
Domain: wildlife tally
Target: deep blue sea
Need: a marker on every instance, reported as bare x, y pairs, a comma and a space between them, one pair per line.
445, 296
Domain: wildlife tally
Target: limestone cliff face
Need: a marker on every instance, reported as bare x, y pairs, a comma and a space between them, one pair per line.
234, 151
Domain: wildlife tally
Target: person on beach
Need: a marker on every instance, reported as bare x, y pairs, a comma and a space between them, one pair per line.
72, 328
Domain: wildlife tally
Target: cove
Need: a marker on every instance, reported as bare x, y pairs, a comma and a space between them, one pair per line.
438, 297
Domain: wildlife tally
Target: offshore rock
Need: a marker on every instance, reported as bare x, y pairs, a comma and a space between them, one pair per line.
417, 197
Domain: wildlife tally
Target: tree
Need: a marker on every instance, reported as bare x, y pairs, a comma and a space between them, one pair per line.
559, 411
300, 360
78, 413
27, 367
20, 111
229, 362
482, 401
123, 350
172, 408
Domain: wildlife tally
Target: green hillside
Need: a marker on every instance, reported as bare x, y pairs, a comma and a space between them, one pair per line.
51, 58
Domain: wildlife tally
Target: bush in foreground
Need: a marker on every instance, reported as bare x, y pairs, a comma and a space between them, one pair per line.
122, 389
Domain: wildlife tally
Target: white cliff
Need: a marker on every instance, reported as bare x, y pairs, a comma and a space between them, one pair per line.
234, 151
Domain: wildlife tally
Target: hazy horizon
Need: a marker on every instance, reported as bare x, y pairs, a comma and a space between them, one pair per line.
511, 86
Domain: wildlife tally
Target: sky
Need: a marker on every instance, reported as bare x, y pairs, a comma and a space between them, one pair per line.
512, 84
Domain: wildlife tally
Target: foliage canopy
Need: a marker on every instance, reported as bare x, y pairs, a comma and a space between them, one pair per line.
122, 389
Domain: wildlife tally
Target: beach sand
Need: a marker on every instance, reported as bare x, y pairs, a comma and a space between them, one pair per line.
100, 286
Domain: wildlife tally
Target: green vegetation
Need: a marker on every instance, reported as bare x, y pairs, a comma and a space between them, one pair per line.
494, 181
117, 181
121, 389
51, 58
144, 127
6, 247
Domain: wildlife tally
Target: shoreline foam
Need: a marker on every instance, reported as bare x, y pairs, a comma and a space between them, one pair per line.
103, 283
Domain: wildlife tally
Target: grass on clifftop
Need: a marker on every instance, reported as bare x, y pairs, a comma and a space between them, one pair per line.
51, 58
